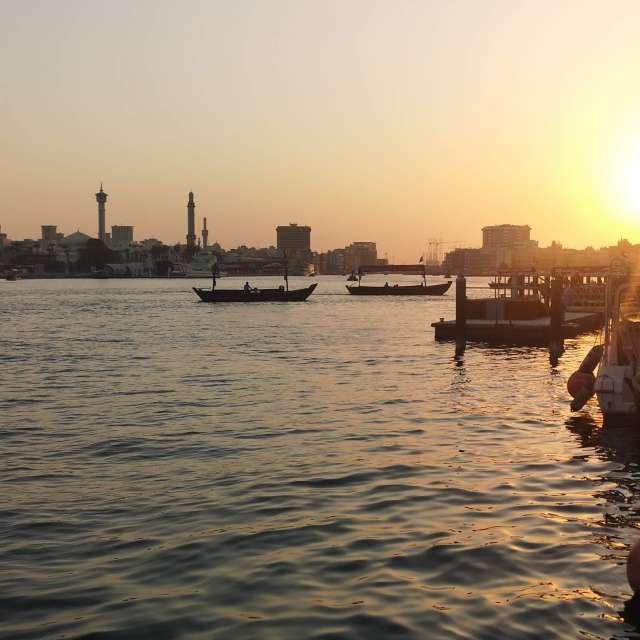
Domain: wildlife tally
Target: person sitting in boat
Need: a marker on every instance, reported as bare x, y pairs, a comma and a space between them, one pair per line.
281, 287
247, 287
386, 284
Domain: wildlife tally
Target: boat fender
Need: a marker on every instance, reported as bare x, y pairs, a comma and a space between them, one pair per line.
592, 359
581, 383
581, 388
578, 381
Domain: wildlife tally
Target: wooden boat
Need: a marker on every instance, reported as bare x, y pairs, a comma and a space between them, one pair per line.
255, 295
398, 290
281, 294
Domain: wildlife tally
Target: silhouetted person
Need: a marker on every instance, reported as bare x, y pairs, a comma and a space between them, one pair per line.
247, 287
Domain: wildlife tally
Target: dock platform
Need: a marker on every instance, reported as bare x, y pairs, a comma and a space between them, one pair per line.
525, 332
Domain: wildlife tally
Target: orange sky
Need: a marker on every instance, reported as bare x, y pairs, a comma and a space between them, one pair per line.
394, 122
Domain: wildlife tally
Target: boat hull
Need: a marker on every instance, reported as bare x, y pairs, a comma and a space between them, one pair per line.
412, 290
262, 295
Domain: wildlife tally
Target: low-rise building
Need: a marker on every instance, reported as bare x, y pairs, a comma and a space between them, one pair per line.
470, 262
335, 262
121, 236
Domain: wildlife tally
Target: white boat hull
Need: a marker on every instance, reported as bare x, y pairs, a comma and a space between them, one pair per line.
615, 392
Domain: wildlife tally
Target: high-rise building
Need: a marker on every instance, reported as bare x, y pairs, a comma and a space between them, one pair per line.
121, 236
294, 238
360, 254
506, 235
191, 222
101, 198
205, 234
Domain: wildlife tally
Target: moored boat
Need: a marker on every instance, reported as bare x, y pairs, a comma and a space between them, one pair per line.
617, 384
401, 290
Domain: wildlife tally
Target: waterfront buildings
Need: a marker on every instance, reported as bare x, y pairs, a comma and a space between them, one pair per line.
511, 247
351, 258
499, 242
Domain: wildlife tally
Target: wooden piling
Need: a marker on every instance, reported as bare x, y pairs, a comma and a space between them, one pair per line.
556, 340
461, 314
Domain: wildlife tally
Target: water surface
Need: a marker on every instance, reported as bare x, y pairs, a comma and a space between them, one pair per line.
172, 469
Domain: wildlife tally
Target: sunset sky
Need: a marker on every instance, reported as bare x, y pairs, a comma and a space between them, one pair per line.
393, 121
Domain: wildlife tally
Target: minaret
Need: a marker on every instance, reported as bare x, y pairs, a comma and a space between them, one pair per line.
101, 197
191, 222
205, 235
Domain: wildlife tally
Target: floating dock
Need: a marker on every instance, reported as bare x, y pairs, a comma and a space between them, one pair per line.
520, 318
535, 332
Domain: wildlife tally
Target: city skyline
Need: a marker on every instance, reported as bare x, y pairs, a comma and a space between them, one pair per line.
438, 245
361, 121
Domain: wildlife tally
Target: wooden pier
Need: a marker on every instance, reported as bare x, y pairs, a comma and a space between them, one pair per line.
527, 309
525, 332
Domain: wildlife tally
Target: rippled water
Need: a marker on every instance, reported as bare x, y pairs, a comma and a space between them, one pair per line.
171, 469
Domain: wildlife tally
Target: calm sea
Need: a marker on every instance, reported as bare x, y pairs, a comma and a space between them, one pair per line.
172, 469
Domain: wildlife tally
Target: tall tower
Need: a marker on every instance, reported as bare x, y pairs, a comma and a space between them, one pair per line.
205, 235
101, 197
191, 222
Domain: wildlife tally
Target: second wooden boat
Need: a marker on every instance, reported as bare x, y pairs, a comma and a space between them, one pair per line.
401, 290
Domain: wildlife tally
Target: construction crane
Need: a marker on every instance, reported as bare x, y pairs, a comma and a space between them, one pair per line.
433, 254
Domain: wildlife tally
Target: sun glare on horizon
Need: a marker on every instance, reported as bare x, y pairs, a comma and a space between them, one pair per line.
625, 180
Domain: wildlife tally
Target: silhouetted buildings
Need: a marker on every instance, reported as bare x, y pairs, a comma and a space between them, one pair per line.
351, 258
510, 247
499, 242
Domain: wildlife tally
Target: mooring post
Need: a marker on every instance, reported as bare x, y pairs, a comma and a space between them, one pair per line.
461, 314
556, 340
